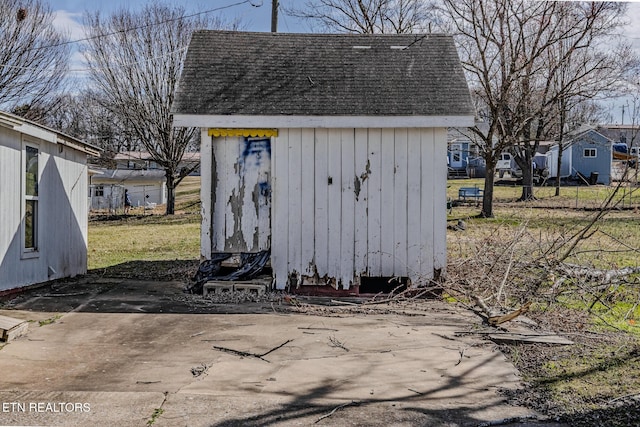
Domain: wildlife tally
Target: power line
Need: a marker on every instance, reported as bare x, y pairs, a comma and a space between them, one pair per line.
80, 70
126, 30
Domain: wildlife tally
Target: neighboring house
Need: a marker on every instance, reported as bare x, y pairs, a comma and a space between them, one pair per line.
327, 150
463, 158
43, 189
143, 160
145, 187
587, 156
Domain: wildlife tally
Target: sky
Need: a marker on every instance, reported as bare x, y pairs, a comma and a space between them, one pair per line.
255, 15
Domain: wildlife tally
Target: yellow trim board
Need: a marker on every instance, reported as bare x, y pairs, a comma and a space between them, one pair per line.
243, 132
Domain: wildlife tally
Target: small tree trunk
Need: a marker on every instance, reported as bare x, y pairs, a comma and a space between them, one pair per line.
527, 183
559, 168
487, 195
171, 192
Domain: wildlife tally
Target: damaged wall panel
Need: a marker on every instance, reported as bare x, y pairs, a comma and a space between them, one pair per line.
240, 194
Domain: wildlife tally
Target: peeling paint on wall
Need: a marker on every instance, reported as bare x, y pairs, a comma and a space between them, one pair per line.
359, 180
242, 221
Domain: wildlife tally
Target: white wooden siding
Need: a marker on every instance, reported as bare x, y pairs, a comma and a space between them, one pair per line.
207, 178
369, 202
62, 212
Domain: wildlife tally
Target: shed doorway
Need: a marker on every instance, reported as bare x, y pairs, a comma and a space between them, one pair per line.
241, 194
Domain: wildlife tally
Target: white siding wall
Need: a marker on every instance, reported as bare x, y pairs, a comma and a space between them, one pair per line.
351, 202
62, 213
206, 180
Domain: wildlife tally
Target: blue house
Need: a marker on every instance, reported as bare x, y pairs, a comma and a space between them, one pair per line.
587, 155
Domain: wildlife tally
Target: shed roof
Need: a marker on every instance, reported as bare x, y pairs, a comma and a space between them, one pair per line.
45, 133
275, 74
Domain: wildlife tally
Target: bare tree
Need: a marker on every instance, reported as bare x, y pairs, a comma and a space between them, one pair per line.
135, 60
33, 56
510, 50
367, 16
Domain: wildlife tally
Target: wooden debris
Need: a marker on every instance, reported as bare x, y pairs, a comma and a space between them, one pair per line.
494, 318
344, 405
333, 342
247, 354
11, 328
529, 338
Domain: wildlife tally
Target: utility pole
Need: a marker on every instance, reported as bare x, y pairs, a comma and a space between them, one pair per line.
274, 16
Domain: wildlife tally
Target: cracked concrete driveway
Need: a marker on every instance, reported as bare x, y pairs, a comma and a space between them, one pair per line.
132, 353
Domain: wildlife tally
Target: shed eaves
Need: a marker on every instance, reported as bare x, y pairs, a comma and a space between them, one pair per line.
277, 74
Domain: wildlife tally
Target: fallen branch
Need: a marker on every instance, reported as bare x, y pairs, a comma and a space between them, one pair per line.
632, 395
508, 317
461, 356
335, 343
493, 318
247, 354
605, 275
344, 405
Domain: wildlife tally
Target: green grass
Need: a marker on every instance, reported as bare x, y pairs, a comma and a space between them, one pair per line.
570, 196
157, 237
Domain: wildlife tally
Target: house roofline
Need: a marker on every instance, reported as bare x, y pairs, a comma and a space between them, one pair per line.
293, 122
45, 133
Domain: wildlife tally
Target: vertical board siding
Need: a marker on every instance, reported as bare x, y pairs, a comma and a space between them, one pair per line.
307, 222
374, 225
427, 201
400, 203
295, 200
334, 196
280, 210
387, 240
351, 202
207, 194
414, 212
347, 221
439, 215
362, 172
321, 202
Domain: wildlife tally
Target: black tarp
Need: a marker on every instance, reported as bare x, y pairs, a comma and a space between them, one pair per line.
251, 265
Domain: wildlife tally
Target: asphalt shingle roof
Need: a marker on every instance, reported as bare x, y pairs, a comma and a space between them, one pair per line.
267, 74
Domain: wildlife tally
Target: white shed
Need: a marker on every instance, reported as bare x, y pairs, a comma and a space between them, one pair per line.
326, 150
43, 189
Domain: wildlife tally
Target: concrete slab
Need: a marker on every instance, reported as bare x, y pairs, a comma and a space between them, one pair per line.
379, 368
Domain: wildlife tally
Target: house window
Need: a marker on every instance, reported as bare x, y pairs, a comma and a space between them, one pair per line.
590, 152
31, 177
99, 191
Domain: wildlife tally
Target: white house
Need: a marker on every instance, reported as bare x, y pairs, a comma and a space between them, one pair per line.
326, 150
43, 189
145, 186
